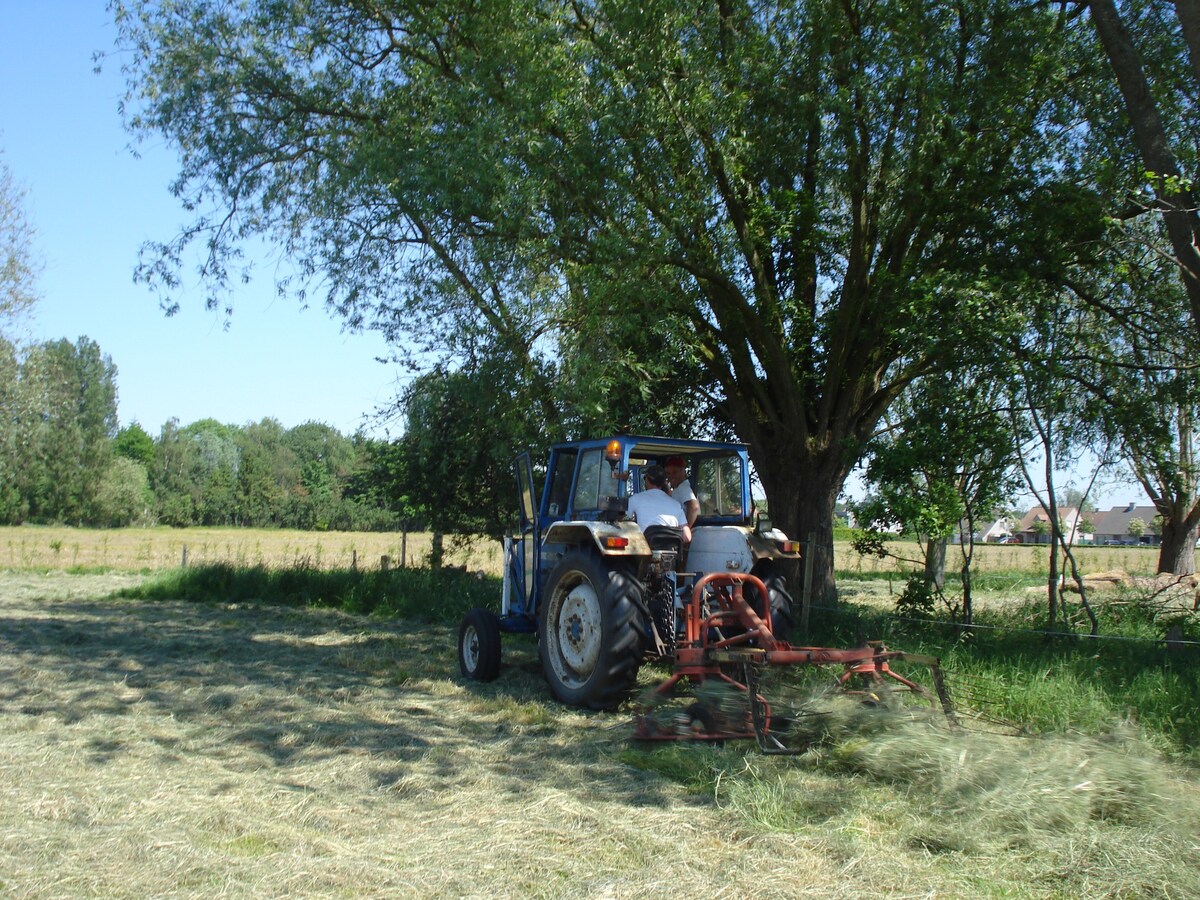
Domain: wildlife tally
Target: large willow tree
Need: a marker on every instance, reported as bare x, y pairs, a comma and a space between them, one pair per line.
801, 206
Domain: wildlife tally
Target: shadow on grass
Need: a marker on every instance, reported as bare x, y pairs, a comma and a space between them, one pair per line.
252, 683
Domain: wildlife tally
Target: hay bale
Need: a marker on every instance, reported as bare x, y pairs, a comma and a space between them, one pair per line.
1111, 580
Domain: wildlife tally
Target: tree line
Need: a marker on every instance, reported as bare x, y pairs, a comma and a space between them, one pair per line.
63, 459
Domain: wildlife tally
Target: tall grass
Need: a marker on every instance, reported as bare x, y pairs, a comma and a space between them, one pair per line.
1053, 682
421, 594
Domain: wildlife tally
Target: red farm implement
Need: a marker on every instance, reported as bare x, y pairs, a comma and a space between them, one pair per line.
728, 661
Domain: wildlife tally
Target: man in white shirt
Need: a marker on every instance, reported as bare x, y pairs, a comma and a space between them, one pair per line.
654, 506
681, 489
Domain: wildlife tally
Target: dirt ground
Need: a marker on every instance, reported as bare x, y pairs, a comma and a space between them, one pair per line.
175, 749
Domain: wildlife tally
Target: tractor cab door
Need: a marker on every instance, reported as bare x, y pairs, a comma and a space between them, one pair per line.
521, 572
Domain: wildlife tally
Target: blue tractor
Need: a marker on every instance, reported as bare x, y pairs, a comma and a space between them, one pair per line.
602, 596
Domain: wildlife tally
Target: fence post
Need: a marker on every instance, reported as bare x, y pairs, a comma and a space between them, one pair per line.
385, 563
806, 594
354, 560
183, 560
404, 547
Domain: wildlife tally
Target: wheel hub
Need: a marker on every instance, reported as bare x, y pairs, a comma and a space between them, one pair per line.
471, 648
579, 632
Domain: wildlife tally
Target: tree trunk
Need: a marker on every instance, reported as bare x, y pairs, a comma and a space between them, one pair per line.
1177, 555
1175, 201
437, 551
968, 606
1189, 23
802, 495
1052, 587
935, 563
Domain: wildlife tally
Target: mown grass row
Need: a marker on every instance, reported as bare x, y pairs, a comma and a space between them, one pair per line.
1043, 682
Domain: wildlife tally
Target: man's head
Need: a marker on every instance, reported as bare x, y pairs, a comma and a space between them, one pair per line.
676, 470
656, 476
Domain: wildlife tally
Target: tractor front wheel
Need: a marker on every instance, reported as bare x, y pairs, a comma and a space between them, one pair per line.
591, 632
479, 645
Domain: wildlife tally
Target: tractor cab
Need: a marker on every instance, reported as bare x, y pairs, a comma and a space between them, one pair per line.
584, 478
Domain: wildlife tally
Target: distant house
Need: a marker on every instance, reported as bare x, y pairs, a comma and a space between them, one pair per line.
993, 531
987, 531
845, 512
1034, 527
1112, 527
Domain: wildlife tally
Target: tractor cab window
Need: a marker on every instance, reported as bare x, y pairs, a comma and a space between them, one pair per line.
717, 481
560, 484
588, 486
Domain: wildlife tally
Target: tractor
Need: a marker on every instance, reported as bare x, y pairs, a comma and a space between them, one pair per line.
602, 596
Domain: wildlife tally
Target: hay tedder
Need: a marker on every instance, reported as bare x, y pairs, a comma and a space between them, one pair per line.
604, 597
731, 660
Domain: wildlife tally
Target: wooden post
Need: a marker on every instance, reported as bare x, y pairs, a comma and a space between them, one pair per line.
404, 547
183, 560
385, 562
806, 593
354, 560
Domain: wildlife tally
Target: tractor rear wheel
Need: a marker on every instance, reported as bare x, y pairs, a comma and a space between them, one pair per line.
591, 632
782, 611
479, 645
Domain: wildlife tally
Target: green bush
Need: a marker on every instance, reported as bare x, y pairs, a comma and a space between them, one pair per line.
441, 597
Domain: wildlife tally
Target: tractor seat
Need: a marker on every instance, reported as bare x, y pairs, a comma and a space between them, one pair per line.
664, 539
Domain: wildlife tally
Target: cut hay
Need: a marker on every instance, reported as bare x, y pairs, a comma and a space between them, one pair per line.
233, 750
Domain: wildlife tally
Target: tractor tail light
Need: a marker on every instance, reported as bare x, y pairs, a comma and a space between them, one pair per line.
616, 543
789, 546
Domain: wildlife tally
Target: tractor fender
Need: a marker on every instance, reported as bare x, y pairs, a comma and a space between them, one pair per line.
609, 539
764, 548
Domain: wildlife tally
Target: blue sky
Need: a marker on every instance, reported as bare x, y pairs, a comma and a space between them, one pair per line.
94, 204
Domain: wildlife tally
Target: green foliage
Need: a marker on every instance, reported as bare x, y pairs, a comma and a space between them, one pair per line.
453, 466
261, 475
945, 465
132, 442
71, 399
14, 437
19, 265
124, 496
916, 601
419, 594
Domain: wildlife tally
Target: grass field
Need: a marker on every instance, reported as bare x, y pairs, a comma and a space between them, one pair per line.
154, 549
239, 750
